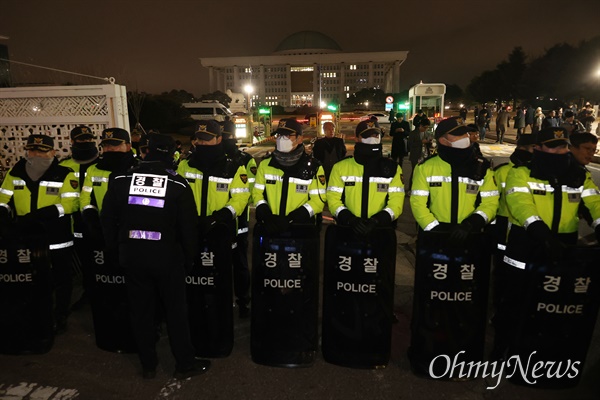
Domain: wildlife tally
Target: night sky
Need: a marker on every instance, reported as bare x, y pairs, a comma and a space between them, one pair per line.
155, 46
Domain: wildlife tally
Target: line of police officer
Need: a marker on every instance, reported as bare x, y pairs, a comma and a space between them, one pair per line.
454, 192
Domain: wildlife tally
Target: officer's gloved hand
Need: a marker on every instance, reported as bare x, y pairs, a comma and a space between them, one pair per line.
460, 233
359, 225
43, 213
554, 248
223, 215
299, 216
205, 224
275, 224
262, 212
382, 219
93, 229
90, 218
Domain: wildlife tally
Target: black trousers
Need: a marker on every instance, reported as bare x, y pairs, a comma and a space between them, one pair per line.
62, 277
146, 286
241, 273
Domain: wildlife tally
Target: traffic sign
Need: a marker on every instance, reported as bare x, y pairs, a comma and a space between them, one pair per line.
389, 99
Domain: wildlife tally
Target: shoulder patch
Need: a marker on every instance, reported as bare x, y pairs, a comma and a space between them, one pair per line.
74, 183
253, 170
244, 178
322, 179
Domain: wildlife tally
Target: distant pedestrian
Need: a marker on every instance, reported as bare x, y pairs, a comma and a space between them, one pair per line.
550, 121
399, 132
529, 118
501, 124
418, 118
463, 113
538, 120
392, 116
519, 124
481, 122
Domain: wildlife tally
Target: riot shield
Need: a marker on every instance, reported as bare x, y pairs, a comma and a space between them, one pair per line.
557, 311
358, 297
285, 297
210, 294
109, 302
449, 304
27, 324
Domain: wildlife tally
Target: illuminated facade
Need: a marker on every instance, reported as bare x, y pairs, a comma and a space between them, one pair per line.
307, 68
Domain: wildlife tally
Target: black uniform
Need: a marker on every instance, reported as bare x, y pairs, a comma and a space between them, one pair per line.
241, 272
149, 219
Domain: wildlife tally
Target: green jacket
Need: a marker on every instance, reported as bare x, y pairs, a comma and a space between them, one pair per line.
348, 189
302, 186
223, 185
49, 201
432, 199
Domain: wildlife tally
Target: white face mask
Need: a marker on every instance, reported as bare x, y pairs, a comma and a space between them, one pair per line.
284, 144
461, 143
371, 140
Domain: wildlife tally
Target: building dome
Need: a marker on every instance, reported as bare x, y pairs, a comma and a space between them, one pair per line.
308, 42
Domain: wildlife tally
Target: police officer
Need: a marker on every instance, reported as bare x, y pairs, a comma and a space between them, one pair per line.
532, 203
219, 183
329, 149
116, 157
521, 156
366, 190
84, 153
149, 219
454, 190
41, 194
241, 272
290, 184
543, 199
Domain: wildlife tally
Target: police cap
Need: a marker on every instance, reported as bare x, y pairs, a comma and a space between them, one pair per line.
288, 126
115, 136
454, 126
82, 132
553, 137
526, 139
161, 143
207, 130
228, 130
367, 128
39, 142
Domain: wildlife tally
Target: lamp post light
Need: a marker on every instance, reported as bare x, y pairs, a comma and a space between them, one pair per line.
249, 89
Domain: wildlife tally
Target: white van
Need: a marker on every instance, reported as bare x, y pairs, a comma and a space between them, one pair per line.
208, 110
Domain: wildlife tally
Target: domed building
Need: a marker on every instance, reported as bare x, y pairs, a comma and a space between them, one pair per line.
306, 68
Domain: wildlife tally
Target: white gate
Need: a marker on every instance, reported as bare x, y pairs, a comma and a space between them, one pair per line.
54, 111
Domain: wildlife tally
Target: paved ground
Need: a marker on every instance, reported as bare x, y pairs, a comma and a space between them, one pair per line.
75, 368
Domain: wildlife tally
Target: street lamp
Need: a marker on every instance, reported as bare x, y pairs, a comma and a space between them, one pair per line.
249, 89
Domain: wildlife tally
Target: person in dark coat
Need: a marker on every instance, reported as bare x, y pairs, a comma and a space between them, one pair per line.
529, 118
329, 149
149, 221
399, 132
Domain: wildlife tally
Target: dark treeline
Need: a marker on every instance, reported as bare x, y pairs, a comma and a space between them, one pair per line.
565, 72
